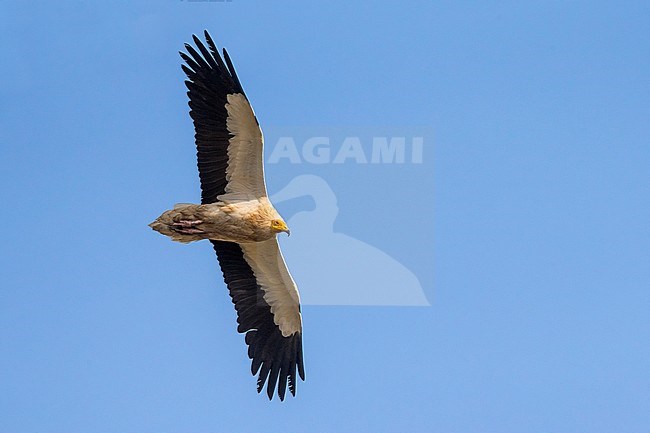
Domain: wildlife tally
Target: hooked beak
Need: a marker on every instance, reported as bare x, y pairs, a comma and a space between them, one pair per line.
281, 226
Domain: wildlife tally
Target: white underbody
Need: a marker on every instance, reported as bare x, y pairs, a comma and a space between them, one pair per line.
243, 215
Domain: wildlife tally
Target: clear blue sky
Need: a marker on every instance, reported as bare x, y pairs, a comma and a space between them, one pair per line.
526, 224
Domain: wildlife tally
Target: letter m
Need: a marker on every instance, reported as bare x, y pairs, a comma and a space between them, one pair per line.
387, 152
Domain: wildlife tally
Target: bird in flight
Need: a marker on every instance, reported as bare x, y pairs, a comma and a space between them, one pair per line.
236, 216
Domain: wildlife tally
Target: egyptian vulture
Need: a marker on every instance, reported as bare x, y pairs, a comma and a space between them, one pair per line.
237, 217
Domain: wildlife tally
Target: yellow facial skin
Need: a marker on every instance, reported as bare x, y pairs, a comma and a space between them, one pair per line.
280, 226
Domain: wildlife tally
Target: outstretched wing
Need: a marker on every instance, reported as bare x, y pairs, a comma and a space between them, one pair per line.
228, 137
268, 311
230, 159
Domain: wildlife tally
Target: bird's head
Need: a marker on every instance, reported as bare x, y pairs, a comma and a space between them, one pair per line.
280, 226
